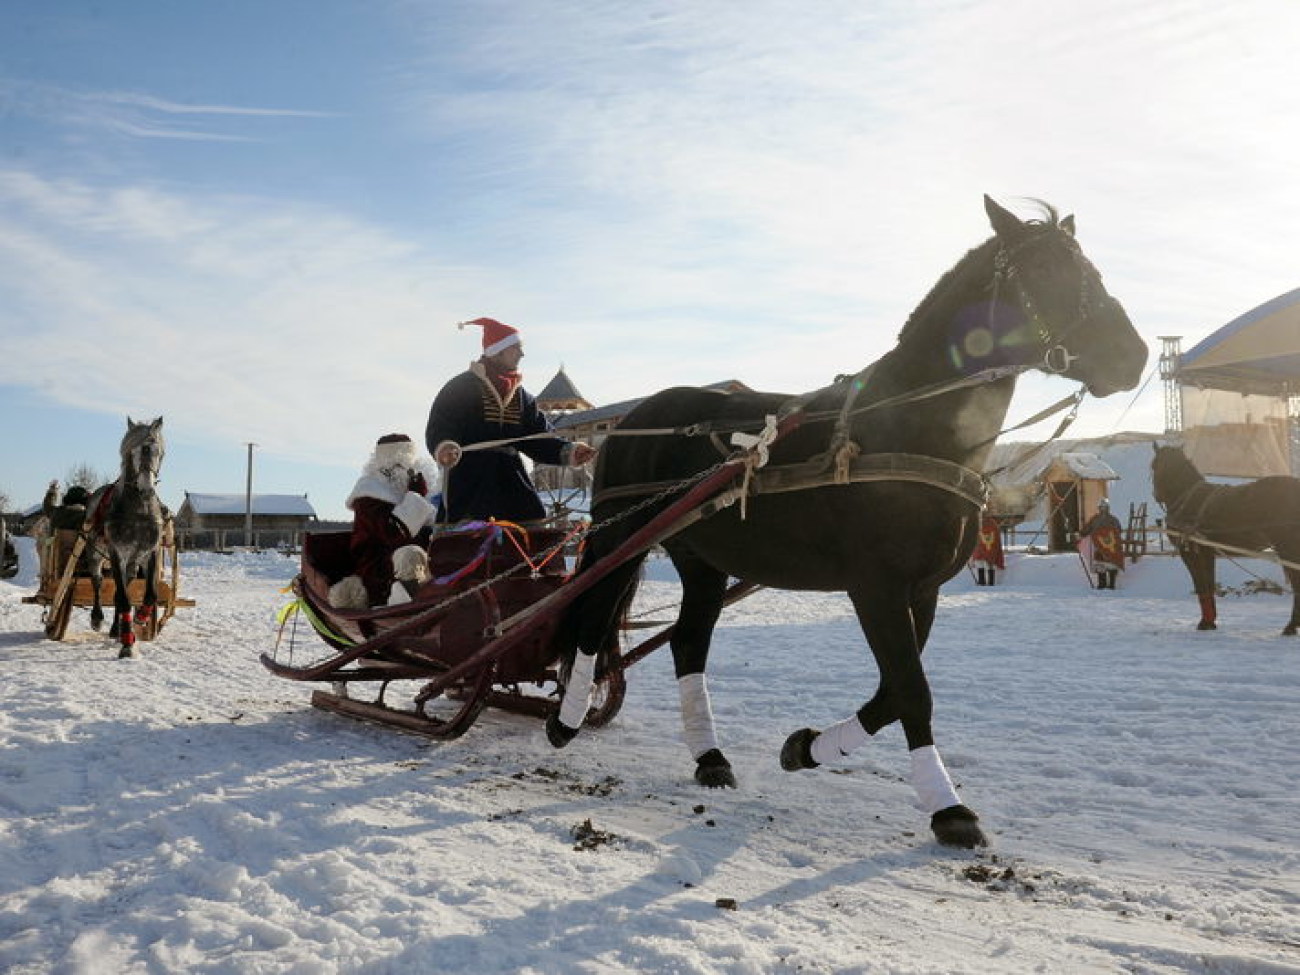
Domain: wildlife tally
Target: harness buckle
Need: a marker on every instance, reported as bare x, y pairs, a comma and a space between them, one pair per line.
1057, 359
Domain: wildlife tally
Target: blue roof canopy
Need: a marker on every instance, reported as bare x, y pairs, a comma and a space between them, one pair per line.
1258, 352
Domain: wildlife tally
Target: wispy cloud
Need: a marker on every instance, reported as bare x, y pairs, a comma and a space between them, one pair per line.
135, 114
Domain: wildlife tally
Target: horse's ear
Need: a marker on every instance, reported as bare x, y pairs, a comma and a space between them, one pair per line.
1067, 224
1005, 223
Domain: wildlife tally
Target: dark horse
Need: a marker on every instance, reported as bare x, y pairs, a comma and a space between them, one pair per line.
126, 522
1025, 299
1242, 517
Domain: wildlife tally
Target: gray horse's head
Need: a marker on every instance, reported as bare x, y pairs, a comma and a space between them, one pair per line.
142, 448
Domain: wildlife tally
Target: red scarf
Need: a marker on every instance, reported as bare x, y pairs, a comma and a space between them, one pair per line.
505, 382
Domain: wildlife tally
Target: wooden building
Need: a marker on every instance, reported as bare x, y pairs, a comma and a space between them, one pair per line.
560, 397
217, 521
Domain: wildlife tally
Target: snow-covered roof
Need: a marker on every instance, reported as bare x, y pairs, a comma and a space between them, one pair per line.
1088, 466
262, 504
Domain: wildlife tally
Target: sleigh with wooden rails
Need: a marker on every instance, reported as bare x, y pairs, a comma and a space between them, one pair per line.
480, 634
64, 583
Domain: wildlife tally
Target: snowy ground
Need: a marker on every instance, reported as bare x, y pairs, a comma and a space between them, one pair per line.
188, 812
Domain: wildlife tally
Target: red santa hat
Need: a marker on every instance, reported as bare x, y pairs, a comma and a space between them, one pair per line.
497, 336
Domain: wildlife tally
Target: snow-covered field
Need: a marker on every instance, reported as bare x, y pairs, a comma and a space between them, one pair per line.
189, 812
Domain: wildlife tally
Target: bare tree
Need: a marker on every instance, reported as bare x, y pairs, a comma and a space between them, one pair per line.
4, 501
83, 475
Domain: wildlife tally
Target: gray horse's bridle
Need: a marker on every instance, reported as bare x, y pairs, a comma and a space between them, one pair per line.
1057, 356
155, 457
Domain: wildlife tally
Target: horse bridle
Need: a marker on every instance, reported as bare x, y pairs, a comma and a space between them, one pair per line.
1056, 354
155, 456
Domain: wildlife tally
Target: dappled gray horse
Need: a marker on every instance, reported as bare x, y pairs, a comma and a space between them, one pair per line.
126, 521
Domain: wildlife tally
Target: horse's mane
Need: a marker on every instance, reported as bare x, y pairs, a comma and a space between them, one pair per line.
969, 266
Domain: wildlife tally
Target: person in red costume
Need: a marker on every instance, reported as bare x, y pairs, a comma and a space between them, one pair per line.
390, 528
1106, 539
987, 557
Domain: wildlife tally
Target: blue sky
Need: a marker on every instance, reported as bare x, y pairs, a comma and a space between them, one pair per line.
262, 220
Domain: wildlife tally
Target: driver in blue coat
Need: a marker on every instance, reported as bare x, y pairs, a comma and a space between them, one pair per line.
486, 403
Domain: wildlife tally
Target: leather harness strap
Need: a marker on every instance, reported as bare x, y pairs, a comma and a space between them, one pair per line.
821, 471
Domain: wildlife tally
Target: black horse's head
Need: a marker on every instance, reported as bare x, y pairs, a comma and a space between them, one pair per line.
1172, 473
1069, 324
142, 449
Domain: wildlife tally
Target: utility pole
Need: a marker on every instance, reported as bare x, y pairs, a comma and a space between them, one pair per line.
248, 500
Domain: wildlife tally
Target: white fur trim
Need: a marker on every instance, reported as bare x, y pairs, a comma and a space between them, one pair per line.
411, 564
577, 693
402, 452
931, 782
502, 344
413, 511
349, 593
373, 485
697, 715
834, 744
397, 595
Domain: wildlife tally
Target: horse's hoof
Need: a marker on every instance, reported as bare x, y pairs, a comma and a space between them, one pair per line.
796, 753
1203, 625
713, 771
558, 733
958, 826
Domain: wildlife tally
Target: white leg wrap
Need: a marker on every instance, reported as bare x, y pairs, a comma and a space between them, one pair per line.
577, 693
930, 779
697, 715
833, 745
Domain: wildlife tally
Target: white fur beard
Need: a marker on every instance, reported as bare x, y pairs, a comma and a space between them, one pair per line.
577, 693
930, 779
834, 744
697, 715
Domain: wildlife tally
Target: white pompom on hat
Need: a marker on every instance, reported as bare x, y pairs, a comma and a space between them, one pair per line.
497, 336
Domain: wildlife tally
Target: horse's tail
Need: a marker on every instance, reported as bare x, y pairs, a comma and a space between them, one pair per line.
593, 621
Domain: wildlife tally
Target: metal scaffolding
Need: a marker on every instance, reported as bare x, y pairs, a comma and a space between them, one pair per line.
1170, 351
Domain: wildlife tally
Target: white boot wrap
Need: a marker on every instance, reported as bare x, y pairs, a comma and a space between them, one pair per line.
697, 715
833, 745
577, 693
930, 779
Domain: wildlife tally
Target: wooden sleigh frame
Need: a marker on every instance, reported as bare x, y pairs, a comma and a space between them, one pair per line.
484, 639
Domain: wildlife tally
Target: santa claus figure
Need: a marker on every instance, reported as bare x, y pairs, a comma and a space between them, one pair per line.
391, 515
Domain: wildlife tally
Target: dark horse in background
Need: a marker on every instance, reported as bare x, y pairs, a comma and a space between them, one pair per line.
1025, 299
1256, 516
125, 520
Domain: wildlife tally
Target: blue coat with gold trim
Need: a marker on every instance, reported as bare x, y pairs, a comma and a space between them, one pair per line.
490, 483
